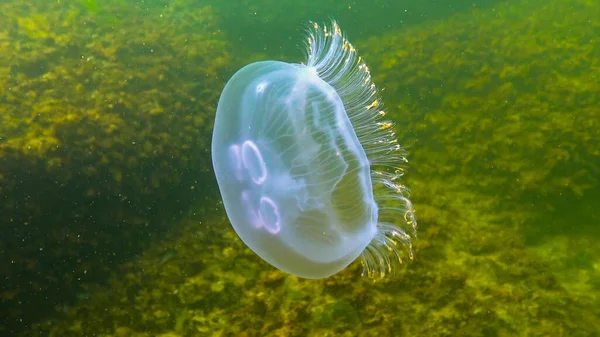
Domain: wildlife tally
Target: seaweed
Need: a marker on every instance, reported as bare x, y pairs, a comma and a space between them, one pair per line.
100, 126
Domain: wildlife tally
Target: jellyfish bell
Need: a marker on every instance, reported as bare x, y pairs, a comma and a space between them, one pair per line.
307, 166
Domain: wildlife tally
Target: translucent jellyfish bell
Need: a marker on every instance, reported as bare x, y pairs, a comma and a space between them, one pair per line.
295, 149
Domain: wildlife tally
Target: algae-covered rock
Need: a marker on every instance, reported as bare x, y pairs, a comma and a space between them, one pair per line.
505, 100
455, 286
105, 117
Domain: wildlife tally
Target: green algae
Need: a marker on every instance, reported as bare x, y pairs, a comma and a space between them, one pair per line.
508, 95
100, 123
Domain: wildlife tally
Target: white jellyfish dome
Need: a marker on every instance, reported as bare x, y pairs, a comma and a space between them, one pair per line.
294, 148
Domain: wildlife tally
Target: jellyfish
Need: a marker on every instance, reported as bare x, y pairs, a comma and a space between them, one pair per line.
307, 166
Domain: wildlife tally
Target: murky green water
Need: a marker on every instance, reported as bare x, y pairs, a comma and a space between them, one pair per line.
110, 218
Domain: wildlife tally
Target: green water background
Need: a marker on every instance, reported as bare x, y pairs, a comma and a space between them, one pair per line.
111, 223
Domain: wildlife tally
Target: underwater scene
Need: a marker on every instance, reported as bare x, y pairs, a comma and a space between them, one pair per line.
178, 168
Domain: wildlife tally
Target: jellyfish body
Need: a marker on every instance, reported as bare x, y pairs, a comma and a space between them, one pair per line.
294, 151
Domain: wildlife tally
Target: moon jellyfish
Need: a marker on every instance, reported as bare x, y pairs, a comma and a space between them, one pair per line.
308, 167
